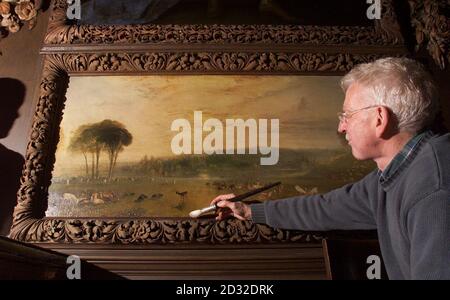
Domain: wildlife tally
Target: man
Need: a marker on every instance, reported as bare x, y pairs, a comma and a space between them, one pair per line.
388, 107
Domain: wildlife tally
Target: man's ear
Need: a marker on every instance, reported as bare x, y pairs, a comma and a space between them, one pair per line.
383, 118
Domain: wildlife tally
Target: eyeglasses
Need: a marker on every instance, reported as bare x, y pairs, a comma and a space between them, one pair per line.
344, 116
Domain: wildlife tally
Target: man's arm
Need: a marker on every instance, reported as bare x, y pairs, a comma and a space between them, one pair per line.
428, 225
344, 208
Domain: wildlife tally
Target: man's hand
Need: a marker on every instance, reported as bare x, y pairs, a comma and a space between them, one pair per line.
238, 210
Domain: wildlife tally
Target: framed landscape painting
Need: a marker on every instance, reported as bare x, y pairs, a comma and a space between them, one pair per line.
162, 146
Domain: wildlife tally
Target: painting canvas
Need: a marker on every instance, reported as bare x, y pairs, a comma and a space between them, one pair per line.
160, 145
319, 12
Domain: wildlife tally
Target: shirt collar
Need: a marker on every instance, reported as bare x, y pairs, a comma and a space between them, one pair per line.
403, 157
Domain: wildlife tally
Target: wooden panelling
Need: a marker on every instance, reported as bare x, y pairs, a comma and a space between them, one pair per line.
287, 261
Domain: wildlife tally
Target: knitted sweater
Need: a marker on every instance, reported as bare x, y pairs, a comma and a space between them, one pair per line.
411, 212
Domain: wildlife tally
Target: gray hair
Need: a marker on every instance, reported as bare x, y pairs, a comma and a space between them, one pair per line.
403, 86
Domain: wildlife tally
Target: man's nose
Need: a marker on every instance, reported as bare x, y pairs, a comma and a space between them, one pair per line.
342, 127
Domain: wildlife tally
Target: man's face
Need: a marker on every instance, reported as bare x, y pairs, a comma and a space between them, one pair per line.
359, 127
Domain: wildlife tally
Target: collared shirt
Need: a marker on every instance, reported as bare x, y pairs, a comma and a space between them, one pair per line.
403, 156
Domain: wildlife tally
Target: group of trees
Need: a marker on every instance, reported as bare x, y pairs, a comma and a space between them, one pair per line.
92, 139
193, 165
182, 165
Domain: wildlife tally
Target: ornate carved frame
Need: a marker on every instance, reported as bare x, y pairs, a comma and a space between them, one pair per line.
72, 50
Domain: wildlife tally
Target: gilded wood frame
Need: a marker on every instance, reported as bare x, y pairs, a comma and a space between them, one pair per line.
72, 50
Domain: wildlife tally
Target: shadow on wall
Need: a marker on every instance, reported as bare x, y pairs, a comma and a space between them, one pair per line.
11, 163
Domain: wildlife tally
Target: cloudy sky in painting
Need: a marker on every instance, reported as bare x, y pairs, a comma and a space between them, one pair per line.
305, 105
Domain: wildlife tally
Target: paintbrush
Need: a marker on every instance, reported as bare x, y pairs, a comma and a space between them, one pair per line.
199, 212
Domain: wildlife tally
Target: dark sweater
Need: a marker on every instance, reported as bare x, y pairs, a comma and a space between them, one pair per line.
411, 212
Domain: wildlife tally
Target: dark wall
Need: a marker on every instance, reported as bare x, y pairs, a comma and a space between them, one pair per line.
20, 60
442, 78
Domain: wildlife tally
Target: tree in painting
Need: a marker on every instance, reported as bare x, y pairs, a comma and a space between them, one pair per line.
108, 135
113, 136
83, 141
